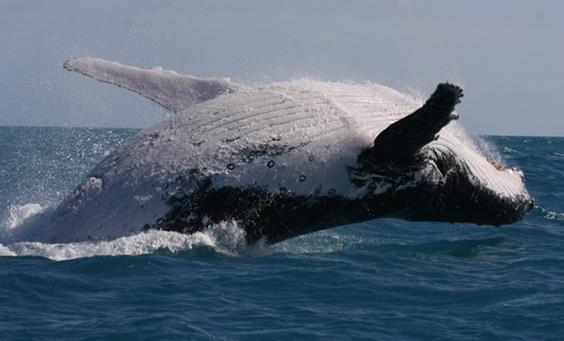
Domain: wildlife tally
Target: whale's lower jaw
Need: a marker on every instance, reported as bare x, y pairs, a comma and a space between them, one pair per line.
274, 217
472, 188
471, 205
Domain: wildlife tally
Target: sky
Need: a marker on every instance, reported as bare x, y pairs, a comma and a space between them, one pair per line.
507, 54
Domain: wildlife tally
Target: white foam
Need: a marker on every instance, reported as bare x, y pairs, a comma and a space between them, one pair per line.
226, 238
18, 214
320, 242
554, 215
15, 216
4, 251
551, 215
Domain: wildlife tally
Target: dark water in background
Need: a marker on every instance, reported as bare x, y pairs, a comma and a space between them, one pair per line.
377, 280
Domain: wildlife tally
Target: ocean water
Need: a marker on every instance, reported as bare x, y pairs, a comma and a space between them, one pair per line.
383, 279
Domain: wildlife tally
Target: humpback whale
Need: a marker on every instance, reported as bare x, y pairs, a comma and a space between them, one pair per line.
284, 159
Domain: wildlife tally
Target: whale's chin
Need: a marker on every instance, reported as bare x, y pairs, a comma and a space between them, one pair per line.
471, 189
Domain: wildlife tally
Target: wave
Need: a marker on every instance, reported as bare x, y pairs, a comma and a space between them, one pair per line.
225, 238
22, 233
554, 215
22, 221
16, 215
320, 242
550, 215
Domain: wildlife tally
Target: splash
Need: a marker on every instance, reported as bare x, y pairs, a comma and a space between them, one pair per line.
4, 251
551, 215
321, 242
554, 216
18, 214
225, 238
481, 145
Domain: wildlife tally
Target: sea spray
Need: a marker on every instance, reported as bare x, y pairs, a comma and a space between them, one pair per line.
225, 238
18, 214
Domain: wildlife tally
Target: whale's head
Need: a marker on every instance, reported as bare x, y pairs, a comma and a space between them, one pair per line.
461, 184
449, 180
433, 172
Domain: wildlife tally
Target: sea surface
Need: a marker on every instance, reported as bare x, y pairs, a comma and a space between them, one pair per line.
383, 279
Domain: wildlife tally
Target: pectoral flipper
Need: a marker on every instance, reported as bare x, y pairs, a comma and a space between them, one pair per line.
404, 138
173, 91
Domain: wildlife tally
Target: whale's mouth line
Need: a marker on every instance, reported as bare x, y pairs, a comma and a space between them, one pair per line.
498, 193
446, 181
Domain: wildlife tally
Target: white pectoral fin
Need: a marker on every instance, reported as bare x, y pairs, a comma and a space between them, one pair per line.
173, 91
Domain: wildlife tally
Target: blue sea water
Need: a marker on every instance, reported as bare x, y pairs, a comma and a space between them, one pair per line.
383, 279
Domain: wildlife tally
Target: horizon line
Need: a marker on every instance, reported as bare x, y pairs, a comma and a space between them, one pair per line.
141, 128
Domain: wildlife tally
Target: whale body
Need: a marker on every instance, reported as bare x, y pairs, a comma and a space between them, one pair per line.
284, 159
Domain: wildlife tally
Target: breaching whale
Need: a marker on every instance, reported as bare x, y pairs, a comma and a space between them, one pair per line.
284, 159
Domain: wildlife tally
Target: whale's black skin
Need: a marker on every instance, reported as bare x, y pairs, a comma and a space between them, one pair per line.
397, 153
277, 216
274, 217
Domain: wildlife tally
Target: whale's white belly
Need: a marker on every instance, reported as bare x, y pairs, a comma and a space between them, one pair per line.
298, 136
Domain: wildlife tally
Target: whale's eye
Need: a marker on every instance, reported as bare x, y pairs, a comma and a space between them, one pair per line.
302, 178
332, 191
270, 164
230, 166
310, 158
